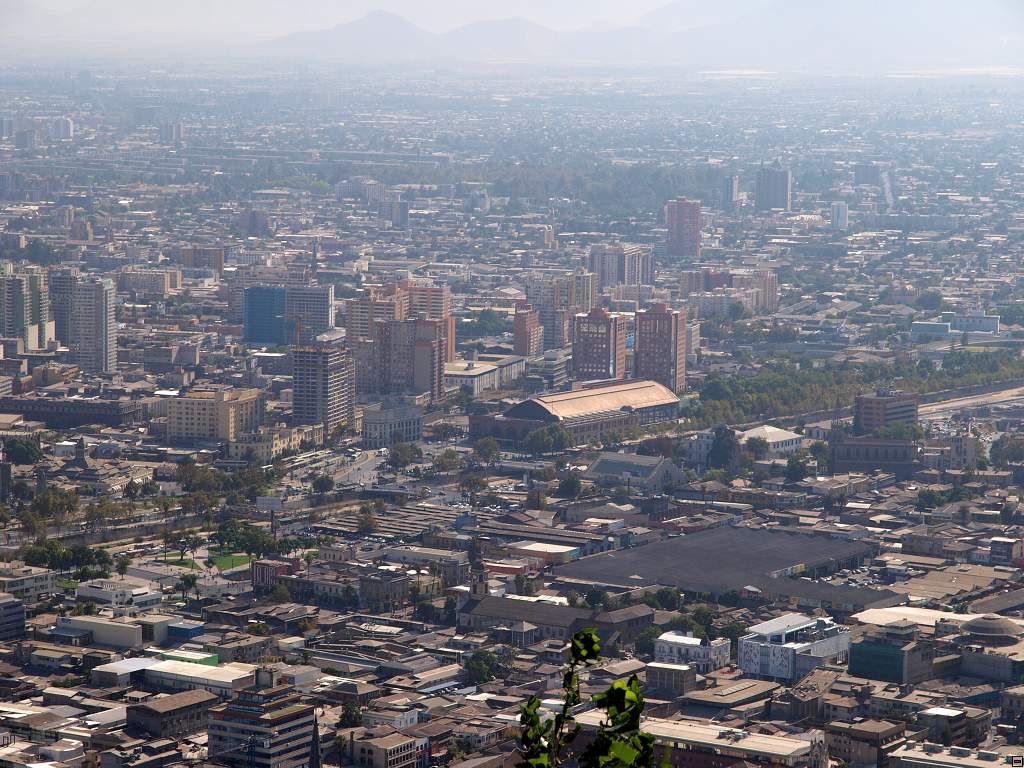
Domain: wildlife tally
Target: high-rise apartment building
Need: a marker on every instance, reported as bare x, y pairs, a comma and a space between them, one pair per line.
389, 302
527, 332
774, 187
401, 301
660, 348
621, 263
730, 192
558, 299
61, 282
434, 302
599, 345
25, 306
92, 331
840, 215
763, 281
584, 290
402, 357
682, 218
323, 387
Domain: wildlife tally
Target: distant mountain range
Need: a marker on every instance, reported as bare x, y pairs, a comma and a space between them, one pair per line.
775, 35
816, 36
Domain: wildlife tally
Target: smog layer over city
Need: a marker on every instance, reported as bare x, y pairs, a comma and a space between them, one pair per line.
525, 384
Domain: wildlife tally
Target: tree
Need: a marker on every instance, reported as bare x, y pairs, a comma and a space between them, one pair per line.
447, 461
596, 597
548, 439
733, 631
187, 583
351, 715
22, 450
280, 593
472, 483
619, 742
322, 484
819, 452
725, 449
122, 565
131, 491
737, 311
930, 301
796, 469
536, 499
401, 455
571, 487
366, 523
644, 643
668, 598
481, 666
487, 449
757, 447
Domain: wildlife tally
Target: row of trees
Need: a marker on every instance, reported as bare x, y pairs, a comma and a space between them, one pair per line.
785, 389
87, 562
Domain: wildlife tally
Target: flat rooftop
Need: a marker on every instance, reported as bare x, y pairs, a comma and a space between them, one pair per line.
713, 736
715, 560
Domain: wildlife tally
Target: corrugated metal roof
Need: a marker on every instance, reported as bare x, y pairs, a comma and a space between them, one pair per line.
613, 397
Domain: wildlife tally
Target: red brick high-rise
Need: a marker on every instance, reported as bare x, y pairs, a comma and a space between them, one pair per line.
527, 332
599, 345
660, 349
682, 217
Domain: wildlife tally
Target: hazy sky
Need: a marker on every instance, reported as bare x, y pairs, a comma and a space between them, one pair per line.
270, 18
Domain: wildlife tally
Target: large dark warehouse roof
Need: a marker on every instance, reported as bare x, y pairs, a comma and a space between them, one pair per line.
727, 558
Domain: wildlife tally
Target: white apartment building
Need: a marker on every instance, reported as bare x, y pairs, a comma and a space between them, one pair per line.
701, 654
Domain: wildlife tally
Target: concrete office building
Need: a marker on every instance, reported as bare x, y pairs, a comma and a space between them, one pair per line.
270, 717
621, 264
385, 423
774, 187
789, 647
213, 415
308, 312
323, 387
599, 345
884, 408
26, 582
12, 617
660, 346
263, 314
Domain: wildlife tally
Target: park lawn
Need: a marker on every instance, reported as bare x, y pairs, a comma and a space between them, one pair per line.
227, 562
65, 583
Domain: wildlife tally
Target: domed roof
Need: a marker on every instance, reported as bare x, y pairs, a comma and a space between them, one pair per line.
991, 625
